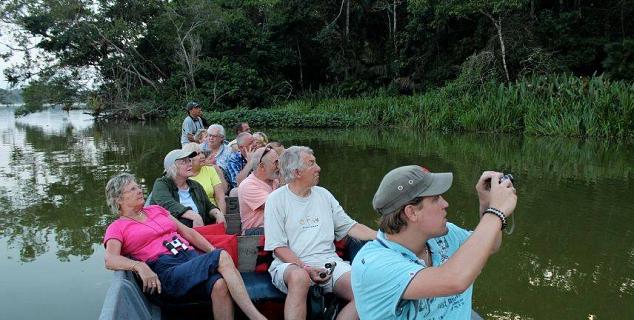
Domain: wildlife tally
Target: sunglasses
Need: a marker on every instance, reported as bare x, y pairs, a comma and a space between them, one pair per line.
266, 150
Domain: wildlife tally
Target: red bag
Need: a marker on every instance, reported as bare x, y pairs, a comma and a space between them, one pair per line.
228, 242
217, 228
215, 234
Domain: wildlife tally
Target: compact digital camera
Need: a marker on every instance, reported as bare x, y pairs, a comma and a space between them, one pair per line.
507, 176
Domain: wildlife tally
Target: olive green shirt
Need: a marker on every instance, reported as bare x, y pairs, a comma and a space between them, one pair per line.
165, 194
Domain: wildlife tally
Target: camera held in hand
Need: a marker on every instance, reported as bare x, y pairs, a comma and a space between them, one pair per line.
330, 266
508, 176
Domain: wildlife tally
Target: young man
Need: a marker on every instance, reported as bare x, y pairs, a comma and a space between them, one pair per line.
192, 123
421, 266
301, 221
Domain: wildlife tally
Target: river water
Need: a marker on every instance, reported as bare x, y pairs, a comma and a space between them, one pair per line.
571, 255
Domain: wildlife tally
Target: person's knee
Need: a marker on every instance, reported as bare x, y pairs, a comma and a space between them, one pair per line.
225, 260
298, 278
220, 288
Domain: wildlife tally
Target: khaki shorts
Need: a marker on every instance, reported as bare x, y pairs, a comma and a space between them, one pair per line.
277, 275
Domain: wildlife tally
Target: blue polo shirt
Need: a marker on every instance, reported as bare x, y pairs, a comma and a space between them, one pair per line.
383, 269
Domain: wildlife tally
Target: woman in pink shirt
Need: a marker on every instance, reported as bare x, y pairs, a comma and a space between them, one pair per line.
152, 243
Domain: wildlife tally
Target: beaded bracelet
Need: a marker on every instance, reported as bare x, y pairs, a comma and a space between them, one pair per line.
499, 214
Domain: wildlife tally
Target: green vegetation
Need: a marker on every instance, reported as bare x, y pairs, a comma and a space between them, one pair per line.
149, 57
562, 105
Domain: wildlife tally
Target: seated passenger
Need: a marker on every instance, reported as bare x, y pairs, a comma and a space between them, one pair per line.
172, 269
239, 128
237, 169
220, 151
207, 176
184, 198
260, 139
254, 190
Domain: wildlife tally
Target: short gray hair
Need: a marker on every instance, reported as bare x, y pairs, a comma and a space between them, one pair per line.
241, 137
215, 126
172, 171
291, 160
114, 189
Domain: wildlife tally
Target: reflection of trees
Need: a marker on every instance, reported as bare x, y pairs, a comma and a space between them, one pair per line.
58, 182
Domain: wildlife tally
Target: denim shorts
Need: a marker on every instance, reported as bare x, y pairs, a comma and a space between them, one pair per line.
187, 272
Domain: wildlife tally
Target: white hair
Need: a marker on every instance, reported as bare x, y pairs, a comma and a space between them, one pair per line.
114, 189
172, 171
291, 160
215, 126
240, 139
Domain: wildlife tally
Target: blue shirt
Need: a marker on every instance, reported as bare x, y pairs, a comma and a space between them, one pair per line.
222, 158
185, 198
383, 269
234, 166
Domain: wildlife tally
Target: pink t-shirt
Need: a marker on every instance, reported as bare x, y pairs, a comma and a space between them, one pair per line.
252, 194
144, 240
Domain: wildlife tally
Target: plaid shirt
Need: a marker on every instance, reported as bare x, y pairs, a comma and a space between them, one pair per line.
234, 166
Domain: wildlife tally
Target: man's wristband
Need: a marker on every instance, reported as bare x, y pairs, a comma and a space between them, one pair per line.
497, 213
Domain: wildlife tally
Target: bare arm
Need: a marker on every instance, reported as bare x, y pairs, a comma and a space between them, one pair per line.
219, 195
484, 198
115, 261
193, 237
287, 255
362, 232
461, 270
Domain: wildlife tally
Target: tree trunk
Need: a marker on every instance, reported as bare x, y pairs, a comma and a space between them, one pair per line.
347, 19
498, 27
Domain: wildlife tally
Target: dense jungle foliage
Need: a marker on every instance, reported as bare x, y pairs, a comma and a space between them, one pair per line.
150, 57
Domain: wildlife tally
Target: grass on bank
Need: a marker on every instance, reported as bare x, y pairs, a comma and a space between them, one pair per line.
561, 105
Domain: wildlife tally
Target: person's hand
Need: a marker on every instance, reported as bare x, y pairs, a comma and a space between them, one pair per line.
503, 196
483, 188
151, 282
248, 151
197, 220
314, 274
220, 217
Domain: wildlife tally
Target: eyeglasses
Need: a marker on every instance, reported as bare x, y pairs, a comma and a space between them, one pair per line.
184, 161
134, 188
216, 136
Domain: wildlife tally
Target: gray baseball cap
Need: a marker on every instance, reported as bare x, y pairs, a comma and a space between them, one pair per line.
403, 184
174, 155
191, 105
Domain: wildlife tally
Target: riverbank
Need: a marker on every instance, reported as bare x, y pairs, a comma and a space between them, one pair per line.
562, 105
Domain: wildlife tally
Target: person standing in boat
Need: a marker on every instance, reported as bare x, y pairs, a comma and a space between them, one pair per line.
301, 221
156, 246
184, 198
421, 266
192, 123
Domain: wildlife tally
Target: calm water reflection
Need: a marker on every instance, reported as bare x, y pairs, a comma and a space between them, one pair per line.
571, 255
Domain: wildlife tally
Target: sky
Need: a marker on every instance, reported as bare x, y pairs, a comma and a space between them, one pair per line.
6, 39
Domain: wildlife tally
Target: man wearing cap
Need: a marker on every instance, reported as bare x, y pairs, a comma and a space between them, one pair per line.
421, 266
301, 221
255, 189
184, 198
192, 123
